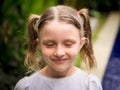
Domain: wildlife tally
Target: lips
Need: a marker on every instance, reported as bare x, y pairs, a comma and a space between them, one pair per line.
60, 61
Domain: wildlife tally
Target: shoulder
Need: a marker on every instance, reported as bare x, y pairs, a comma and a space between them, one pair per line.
22, 84
25, 83
90, 81
94, 83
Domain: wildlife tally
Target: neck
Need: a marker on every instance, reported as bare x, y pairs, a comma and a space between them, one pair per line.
48, 72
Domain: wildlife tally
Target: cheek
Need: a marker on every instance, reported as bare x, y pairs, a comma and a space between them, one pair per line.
74, 52
46, 52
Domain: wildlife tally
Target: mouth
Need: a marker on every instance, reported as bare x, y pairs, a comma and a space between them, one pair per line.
60, 61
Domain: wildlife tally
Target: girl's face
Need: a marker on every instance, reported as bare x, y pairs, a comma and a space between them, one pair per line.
60, 45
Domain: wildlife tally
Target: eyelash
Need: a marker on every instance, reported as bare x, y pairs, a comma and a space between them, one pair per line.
68, 44
52, 45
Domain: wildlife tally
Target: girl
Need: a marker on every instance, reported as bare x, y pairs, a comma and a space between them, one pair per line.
61, 33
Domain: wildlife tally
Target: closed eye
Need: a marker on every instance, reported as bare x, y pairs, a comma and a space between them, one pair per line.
49, 44
69, 44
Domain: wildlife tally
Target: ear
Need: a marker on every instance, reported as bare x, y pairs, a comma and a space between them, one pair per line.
82, 42
38, 41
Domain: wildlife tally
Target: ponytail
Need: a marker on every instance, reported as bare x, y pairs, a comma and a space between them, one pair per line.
30, 60
87, 50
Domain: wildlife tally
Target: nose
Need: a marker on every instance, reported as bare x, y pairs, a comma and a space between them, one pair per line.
60, 51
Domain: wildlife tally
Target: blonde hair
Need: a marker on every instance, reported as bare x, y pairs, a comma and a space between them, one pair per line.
79, 19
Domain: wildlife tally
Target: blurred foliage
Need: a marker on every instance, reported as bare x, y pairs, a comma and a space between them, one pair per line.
13, 41
13, 38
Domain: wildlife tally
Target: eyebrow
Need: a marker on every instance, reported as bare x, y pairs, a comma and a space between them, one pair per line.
69, 40
45, 41
66, 40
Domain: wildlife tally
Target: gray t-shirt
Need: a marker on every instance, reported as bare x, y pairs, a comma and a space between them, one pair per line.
78, 81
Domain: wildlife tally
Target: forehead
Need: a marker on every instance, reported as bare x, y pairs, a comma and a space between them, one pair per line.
60, 27
59, 30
